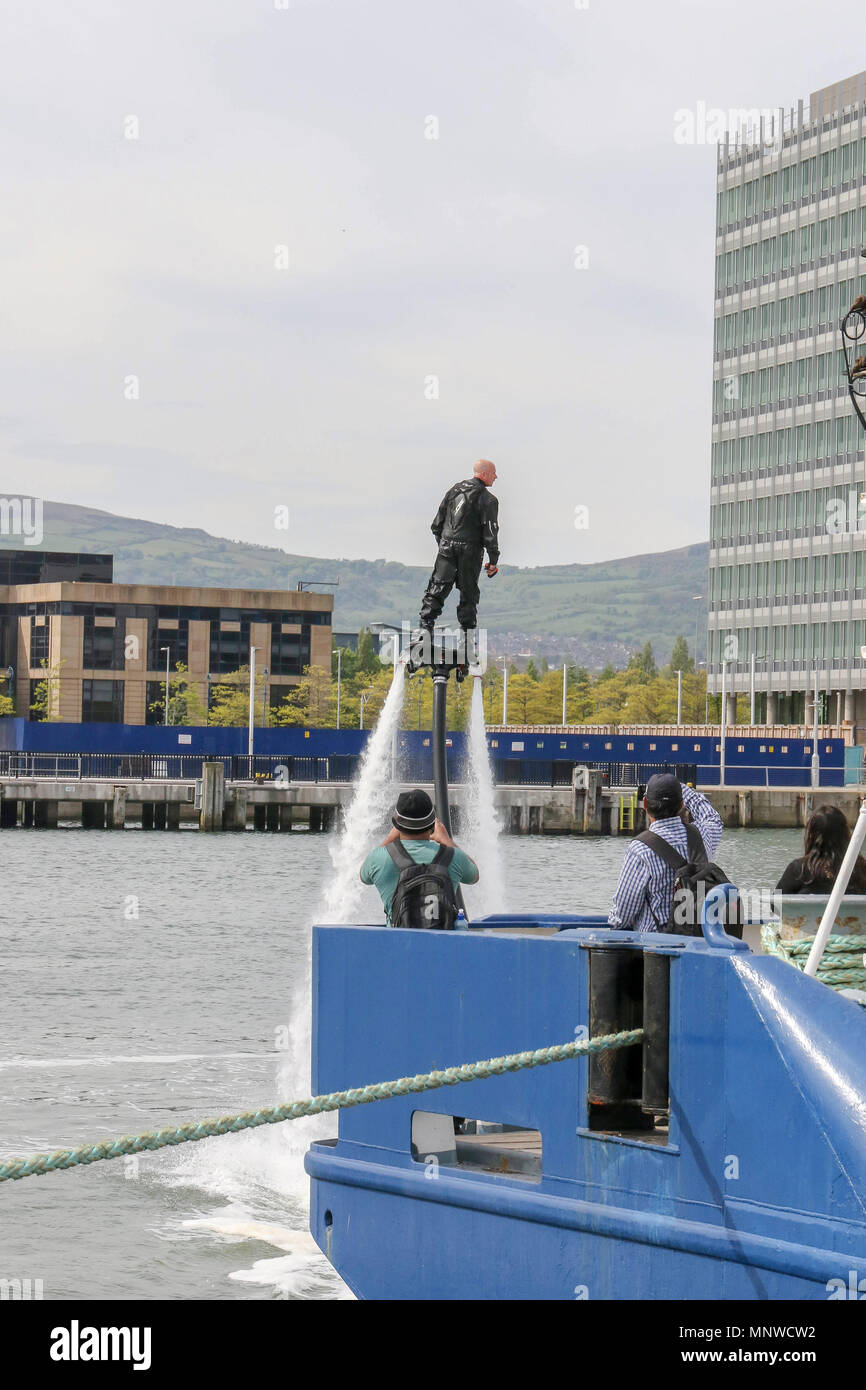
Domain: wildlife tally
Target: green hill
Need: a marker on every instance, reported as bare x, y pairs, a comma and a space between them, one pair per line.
597, 612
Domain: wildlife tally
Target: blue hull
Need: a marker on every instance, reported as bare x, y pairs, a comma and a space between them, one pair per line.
753, 1190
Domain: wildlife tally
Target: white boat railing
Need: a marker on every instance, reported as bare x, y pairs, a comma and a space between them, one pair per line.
842, 879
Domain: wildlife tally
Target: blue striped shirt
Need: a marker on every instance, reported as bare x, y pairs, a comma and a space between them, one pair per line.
646, 881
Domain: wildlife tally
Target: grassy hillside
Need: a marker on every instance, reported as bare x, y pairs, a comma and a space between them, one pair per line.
602, 608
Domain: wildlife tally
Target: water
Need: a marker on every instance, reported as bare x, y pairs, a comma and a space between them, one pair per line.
197, 1006
482, 828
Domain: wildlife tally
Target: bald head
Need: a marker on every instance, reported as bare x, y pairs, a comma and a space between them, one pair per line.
486, 471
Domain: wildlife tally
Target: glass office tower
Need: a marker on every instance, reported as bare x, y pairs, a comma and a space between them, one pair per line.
787, 584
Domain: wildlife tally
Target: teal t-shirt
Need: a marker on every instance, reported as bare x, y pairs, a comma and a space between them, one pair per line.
380, 870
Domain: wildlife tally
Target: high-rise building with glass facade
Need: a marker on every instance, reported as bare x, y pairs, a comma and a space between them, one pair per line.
787, 578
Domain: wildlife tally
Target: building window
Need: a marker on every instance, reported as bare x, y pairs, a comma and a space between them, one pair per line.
290, 652
40, 641
102, 702
175, 638
99, 650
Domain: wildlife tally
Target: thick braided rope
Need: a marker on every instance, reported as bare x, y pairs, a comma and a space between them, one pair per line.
841, 965
14, 1168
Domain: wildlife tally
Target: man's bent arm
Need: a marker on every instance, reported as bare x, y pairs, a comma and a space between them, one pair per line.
705, 818
490, 527
439, 518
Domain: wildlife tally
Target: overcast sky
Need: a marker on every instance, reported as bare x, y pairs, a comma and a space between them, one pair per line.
149, 264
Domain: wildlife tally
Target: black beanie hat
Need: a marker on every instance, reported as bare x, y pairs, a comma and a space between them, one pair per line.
414, 812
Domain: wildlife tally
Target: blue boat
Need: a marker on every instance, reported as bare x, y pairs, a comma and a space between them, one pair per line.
740, 1175
720, 1156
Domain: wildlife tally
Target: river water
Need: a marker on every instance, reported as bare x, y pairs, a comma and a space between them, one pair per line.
149, 979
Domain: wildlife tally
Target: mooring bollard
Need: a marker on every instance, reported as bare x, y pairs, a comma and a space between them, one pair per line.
213, 795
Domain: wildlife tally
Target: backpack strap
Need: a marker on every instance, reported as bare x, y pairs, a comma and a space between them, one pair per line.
443, 856
400, 855
661, 847
695, 845
697, 848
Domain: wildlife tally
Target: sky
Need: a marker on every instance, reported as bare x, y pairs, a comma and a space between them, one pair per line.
283, 269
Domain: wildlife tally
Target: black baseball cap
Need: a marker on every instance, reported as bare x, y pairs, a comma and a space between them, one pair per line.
664, 794
414, 812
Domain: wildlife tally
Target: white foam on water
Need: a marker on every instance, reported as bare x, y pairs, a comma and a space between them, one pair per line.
261, 1172
300, 1272
374, 794
480, 827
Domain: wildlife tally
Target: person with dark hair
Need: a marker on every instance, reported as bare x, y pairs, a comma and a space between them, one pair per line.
645, 892
418, 869
825, 842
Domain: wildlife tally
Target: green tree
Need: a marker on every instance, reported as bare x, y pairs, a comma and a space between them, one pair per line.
680, 659
642, 663
45, 706
7, 706
185, 704
368, 658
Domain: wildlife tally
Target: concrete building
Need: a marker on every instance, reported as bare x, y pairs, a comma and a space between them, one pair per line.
787, 583
103, 644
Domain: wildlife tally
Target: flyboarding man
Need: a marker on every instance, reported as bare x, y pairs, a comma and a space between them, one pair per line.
466, 524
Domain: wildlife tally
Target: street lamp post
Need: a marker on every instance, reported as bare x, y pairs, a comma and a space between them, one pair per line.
679, 698
166, 650
816, 758
339, 655
265, 673
564, 689
252, 723
505, 690
723, 729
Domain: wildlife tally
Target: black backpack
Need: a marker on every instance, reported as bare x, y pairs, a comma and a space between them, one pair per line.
424, 896
693, 879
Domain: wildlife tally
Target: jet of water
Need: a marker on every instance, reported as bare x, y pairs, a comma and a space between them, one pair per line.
480, 828
374, 793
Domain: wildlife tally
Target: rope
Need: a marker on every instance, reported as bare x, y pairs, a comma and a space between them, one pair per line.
38, 1164
842, 964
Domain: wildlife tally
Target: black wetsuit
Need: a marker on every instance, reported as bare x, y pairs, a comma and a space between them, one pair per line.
466, 524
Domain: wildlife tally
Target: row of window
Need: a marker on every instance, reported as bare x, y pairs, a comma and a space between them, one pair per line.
788, 642
804, 178
809, 311
779, 384
832, 510
153, 612
824, 237
806, 575
105, 648
804, 445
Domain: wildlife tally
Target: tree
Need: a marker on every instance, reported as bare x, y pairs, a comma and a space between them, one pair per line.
7, 707
230, 700
643, 663
367, 657
185, 704
312, 701
680, 659
45, 706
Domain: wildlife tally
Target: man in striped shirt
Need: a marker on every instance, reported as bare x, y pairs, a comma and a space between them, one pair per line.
644, 894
